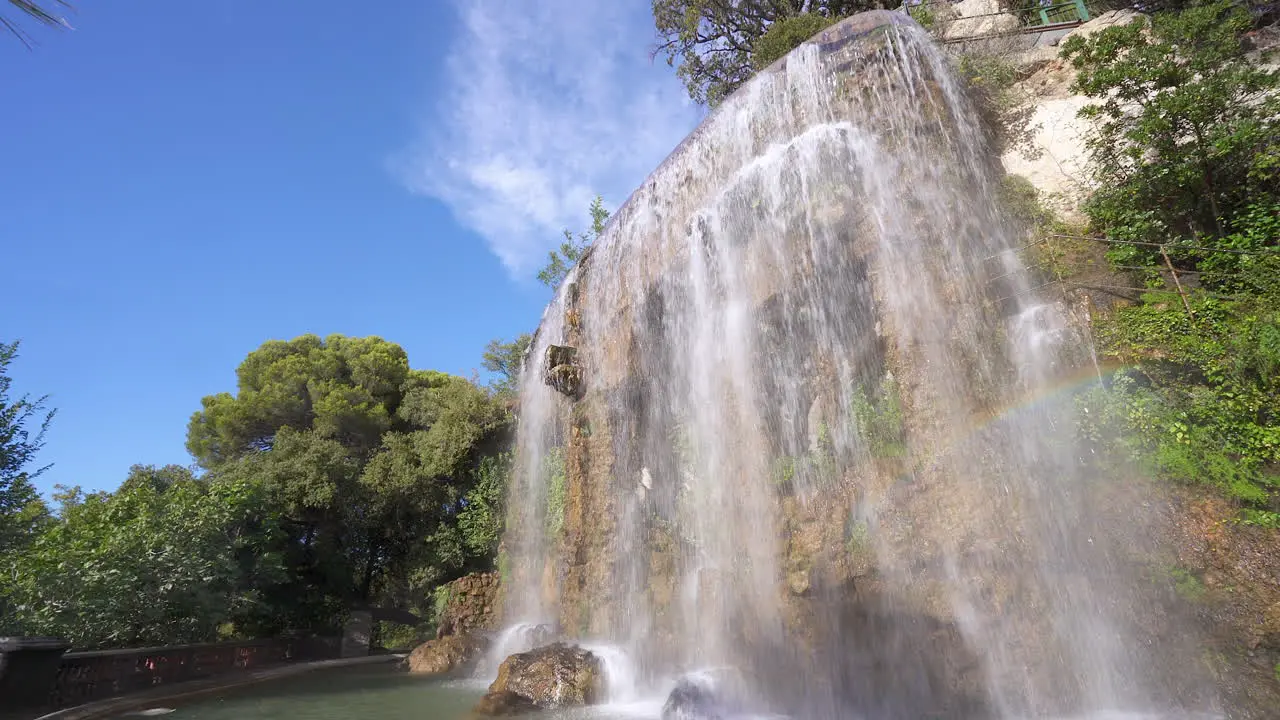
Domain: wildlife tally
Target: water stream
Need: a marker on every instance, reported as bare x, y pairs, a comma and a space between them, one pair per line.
821, 438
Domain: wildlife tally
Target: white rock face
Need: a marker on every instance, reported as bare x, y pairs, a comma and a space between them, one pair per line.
1059, 172
972, 18
1060, 168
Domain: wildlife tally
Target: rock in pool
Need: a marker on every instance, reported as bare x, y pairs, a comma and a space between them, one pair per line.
553, 676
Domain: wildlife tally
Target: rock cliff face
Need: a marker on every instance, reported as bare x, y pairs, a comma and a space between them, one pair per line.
1056, 160
472, 605
449, 655
463, 629
801, 412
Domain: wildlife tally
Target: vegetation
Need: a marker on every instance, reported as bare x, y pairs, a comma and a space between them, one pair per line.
1187, 142
560, 262
557, 488
878, 418
335, 477
505, 359
1187, 157
164, 559
23, 422
717, 45
785, 35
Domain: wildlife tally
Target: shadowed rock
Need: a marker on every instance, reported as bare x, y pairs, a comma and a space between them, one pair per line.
691, 700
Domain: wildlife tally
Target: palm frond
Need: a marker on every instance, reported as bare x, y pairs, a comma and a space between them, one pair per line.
43, 14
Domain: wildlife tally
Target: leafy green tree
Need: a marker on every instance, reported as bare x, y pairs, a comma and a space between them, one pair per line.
719, 44
1186, 147
23, 422
1186, 155
559, 262
481, 519
505, 359
369, 460
167, 558
40, 12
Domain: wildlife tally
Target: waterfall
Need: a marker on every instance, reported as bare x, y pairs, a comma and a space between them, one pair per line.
819, 436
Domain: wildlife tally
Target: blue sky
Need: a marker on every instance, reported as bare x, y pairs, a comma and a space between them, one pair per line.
184, 181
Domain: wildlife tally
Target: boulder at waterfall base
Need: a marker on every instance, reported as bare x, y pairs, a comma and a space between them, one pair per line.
450, 654
691, 701
557, 675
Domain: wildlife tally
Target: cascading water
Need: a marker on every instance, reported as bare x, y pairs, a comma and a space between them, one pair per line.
815, 439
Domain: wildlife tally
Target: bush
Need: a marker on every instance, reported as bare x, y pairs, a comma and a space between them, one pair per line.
1186, 155
557, 481
1186, 141
878, 419
786, 35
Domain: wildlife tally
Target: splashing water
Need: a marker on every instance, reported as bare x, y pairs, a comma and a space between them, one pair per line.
790, 454
515, 638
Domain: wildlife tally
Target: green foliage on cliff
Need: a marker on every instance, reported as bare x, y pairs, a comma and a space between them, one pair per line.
878, 418
561, 261
1187, 156
1186, 150
786, 35
717, 45
481, 520
553, 468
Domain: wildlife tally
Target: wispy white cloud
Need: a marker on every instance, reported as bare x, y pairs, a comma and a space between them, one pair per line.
549, 102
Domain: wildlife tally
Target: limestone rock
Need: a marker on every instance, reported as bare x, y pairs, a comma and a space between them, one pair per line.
563, 372
472, 599
561, 355
553, 676
1058, 165
454, 653
975, 18
1270, 628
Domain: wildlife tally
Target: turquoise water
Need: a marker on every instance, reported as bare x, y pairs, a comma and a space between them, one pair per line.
380, 693
358, 693
338, 694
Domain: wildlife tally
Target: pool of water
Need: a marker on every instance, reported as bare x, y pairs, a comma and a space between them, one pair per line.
338, 694
356, 693
380, 692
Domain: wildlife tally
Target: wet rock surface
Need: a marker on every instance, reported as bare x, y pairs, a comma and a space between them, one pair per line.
552, 676
692, 700
504, 702
563, 373
453, 654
